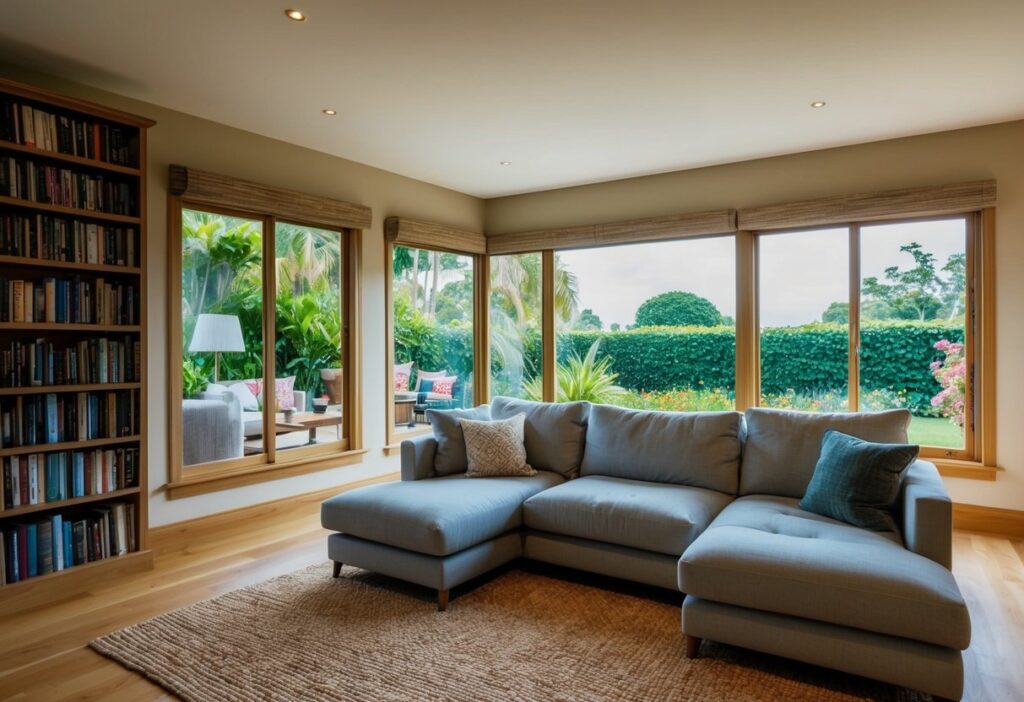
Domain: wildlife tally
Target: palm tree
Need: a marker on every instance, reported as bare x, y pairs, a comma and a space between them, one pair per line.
517, 279
307, 258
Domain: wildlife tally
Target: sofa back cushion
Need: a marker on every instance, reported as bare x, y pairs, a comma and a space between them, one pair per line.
699, 449
555, 432
782, 447
450, 457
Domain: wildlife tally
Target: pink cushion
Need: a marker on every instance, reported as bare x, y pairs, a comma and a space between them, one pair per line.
444, 386
401, 382
429, 375
284, 392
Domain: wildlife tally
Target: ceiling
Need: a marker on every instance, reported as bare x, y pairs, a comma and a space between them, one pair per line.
570, 92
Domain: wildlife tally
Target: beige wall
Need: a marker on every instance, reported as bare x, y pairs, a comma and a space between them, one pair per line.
985, 152
183, 139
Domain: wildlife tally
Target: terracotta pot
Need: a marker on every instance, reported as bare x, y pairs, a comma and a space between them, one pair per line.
334, 382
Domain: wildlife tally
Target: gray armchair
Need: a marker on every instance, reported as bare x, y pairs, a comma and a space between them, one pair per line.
211, 429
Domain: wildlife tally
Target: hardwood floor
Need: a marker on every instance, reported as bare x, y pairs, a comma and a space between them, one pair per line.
43, 654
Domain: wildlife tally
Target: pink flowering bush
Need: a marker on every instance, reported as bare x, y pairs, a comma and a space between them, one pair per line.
951, 374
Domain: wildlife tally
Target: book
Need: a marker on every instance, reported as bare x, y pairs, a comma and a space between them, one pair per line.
44, 530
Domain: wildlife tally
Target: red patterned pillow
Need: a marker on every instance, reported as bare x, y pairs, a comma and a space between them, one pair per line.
401, 382
444, 386
284, 392
255, 387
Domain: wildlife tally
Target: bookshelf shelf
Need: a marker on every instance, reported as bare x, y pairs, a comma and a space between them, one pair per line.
68, 158
67, 265
91, 387
72, 211
68, 445
64, 504
49, 119
60, 326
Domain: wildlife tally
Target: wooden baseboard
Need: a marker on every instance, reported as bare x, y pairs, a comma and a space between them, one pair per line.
991, 520
251, 515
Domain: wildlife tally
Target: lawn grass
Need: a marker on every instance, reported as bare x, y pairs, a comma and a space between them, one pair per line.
935, 431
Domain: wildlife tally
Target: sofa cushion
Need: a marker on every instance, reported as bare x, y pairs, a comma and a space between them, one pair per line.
555, 432
766, 553
495, 448
450, 457
782, 448
655, 517
436, 516
857, 481
699, 449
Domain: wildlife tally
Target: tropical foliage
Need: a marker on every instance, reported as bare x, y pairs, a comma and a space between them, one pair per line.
586, 378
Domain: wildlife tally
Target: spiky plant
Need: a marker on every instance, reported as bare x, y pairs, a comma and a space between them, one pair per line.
587, 378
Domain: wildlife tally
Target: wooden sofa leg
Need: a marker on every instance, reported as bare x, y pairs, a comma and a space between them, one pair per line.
337, 569
692, 646
442, 600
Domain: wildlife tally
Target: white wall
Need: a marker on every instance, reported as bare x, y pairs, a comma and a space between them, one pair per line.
995, 151
183, 139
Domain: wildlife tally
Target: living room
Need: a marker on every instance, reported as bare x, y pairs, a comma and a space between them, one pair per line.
685, 263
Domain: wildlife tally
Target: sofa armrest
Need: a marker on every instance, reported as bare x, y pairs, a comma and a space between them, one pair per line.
299, 398
927, 514
418, 457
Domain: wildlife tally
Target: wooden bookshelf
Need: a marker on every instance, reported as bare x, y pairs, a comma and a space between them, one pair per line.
121, 137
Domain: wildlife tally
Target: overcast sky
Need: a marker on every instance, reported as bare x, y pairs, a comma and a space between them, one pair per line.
801, 273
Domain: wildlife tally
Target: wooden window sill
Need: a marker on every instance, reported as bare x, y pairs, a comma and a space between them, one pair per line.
399, 437
971, 470
198, 481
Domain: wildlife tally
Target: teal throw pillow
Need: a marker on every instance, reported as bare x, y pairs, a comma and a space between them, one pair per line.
857, 481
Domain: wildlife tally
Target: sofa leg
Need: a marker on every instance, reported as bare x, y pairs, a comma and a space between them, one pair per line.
692, 646
337, 569
442, 600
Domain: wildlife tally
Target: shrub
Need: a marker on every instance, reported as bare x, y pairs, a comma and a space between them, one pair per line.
682, 309
951, 373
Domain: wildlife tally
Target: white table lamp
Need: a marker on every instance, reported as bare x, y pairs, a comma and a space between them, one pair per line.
216, 333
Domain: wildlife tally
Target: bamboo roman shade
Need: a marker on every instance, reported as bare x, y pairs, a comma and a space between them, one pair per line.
419, 234
214, 190
905, 203
636, 231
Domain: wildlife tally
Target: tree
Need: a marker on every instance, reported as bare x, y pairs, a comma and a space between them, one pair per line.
588, 321
915, 293
678, 309
615, 327
836, 313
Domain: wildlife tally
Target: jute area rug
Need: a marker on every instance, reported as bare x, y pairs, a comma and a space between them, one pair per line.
520, 636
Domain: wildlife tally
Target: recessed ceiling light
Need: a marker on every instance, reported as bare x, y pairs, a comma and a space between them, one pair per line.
505, 163
296, 15
818, 103
330, 113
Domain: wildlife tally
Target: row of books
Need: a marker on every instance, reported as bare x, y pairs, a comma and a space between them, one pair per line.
53, 185
39, 478
69, 240
61, 541
82, 416
67, 134
36, 363
69, 301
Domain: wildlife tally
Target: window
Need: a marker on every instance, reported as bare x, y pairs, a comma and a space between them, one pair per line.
648, 326
887, 327
263, 332
516, 317
432, 307
913, 330
804, 339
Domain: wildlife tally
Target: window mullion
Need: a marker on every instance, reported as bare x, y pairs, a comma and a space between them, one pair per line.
548, 350
853, 366
269, 337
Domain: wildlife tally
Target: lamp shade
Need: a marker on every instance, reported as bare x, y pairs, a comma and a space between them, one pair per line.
217, 332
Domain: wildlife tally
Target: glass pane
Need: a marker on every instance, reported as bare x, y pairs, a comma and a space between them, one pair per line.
648, 326
307, 350
432, 298
804, 316
515, 326
912, 325
222, 336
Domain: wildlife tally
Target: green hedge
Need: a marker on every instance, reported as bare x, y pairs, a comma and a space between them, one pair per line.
808, 360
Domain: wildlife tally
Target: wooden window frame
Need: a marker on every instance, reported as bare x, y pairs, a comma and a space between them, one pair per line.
197, 190
428, 236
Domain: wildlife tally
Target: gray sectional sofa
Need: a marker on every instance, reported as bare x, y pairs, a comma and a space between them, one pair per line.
706, 503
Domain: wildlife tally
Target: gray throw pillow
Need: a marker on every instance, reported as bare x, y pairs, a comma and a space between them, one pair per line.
555, 432
495, 448
858, 481
450, 457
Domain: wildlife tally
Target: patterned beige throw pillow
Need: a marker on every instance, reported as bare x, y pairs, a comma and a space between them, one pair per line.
496, 448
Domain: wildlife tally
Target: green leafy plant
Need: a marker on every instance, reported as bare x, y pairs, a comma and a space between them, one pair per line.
309, 338
194, 377
588, 378
678, 309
